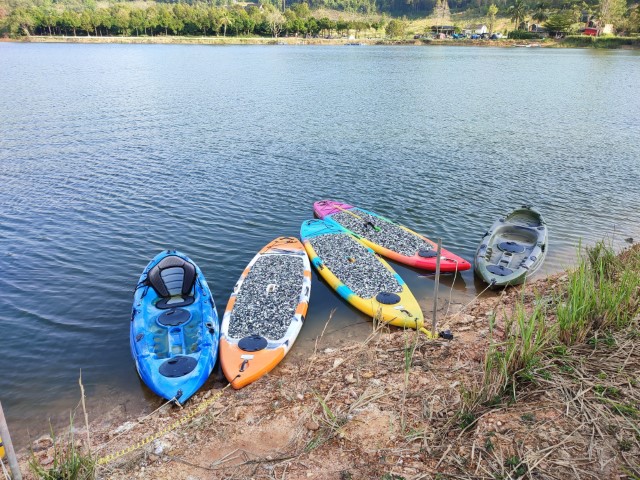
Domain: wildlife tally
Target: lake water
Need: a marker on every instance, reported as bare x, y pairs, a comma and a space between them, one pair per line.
110, 153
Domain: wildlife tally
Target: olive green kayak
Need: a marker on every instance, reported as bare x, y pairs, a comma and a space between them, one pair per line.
513, 249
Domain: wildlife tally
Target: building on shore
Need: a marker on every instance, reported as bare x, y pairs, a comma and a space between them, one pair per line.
479, 29
444, 29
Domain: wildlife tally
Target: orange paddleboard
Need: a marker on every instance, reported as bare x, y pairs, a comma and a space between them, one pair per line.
265, 312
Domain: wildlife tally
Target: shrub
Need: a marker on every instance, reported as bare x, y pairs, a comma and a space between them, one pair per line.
522, 35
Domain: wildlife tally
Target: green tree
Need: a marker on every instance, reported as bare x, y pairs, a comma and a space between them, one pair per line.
137, 20
120, 14
541, 12
492, 11
396, 28
151, 19
255, 18
104, 20
276, 22
240, 20
301, 10
342, 26
201, 18
634, 19
224, 19
518, 12
48, 16
359, 26
89, 22
326, 26
560, 22
612, 11
71, 20
21, 21
312, 26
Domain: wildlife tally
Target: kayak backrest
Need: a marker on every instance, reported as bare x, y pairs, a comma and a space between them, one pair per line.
172, 276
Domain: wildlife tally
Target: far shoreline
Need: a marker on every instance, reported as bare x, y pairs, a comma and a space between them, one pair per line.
182, 40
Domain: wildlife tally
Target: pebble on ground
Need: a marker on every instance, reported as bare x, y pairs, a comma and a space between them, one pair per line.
354, 265
388, 235
267, 300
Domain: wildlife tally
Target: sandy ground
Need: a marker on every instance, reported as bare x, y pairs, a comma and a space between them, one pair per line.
387, 407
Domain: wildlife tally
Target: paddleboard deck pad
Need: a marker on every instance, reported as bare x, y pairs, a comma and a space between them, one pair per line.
175, 329
358, 275
265, 311
389, 239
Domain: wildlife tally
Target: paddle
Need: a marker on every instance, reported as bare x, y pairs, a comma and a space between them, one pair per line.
366, 222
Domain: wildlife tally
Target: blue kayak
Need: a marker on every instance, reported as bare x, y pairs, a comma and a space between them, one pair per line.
174, 327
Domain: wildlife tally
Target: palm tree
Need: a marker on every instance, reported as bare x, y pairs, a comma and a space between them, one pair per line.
518, 12
541, 13
225, 20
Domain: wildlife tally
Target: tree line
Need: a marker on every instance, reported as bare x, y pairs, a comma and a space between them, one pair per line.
217, 17
176, 19
563, 17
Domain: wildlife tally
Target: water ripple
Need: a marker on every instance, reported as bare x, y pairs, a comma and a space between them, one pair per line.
112, 153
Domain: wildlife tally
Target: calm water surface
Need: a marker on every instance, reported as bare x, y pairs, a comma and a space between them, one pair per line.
110, 153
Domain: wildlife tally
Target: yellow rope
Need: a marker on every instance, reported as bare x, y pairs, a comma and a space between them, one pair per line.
178, 423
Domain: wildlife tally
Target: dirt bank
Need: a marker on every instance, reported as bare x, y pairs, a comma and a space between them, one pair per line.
388, 407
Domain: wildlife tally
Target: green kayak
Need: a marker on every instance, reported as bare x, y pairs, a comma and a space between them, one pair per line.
513, 249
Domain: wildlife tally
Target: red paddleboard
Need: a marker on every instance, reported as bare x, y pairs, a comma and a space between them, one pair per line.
389, 239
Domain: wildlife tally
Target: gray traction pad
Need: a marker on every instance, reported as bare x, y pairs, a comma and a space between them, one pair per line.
365, 275
389, 235
257, 312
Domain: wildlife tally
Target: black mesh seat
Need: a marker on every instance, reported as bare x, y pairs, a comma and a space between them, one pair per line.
172, 279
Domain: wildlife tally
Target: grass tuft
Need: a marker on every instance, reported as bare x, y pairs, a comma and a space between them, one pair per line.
70, 462
516, 358
601, 294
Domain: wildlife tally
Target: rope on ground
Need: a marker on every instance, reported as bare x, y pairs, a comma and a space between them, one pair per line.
188, 416
455, 276
140, 420
471, 302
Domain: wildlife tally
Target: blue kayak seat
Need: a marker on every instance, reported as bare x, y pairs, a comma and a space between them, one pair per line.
172, 279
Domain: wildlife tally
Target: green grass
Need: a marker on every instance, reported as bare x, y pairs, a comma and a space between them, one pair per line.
600, 297
69, 461
516, 358
601, 294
